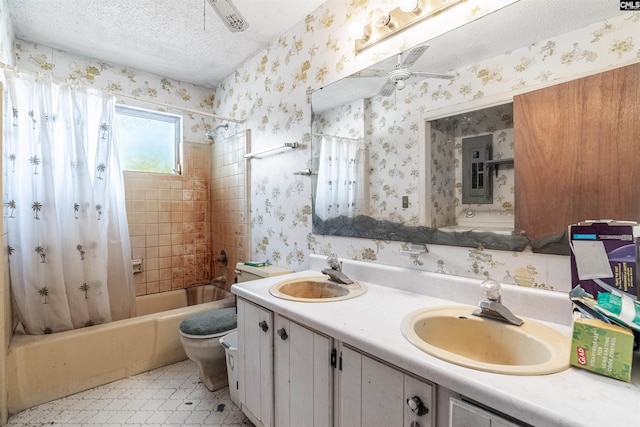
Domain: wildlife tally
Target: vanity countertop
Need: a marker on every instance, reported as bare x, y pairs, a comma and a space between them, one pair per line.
371, 323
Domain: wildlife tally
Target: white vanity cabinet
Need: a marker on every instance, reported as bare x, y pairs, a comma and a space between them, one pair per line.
255, 373
291, 375
302, 375
372, 393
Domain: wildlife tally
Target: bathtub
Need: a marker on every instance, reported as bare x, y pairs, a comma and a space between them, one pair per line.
42, 368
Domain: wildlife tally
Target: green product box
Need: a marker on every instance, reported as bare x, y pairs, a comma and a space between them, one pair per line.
602, 348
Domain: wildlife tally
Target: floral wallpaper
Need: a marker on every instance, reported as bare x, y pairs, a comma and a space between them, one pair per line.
272, 91
118, 79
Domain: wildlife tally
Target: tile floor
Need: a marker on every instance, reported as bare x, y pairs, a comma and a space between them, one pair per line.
168, 396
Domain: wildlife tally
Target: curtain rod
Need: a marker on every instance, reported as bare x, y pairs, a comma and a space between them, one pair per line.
336, 136
202, 113
124, 95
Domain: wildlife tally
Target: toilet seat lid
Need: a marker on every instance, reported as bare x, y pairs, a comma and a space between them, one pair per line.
210, 323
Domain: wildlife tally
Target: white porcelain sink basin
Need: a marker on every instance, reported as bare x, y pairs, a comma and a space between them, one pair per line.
315, 289
453, 334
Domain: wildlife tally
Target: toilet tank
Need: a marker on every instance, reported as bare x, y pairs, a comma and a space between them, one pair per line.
246, 273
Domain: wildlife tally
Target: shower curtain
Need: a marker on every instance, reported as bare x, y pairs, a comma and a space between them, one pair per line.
67, 235
342, 187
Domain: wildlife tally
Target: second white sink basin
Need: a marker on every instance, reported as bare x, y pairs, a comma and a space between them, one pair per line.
453, 334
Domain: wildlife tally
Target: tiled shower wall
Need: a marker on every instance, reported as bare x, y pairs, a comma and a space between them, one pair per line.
229, 203
169, 224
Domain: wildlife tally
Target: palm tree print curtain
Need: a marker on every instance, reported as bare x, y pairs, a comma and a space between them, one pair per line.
67, 233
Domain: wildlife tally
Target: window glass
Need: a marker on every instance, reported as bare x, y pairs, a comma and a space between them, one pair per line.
149, 140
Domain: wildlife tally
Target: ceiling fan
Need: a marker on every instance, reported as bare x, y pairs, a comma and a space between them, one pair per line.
396, 77
229, 15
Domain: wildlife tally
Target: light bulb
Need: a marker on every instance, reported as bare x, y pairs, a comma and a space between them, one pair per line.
357, 31
409, 5
400, 84
381, 18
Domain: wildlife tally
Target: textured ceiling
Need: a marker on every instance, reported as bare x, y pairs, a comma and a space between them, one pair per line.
181, 39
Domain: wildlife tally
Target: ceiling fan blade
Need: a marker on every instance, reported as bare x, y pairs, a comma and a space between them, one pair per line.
370, 73
432, 75
413, 55
229, 15
388, 88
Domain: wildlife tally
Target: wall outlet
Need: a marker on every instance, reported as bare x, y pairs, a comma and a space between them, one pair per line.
405, 202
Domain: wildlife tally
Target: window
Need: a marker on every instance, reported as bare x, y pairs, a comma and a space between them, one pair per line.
149, 140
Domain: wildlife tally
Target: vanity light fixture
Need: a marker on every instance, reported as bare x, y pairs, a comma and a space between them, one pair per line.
387, 23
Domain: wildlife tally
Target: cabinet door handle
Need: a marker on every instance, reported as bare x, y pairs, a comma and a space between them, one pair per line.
263, 325
416, 406
282, 333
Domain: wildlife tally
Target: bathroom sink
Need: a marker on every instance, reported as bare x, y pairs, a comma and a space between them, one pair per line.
455, 335
315, 289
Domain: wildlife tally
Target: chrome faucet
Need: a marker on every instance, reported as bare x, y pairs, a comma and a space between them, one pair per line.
335, 271
492, 308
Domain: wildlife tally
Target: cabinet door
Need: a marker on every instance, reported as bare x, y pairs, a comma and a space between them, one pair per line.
302, 371
576, 152
349, 401
382, 394
419, 391
464, 414
255, 347
373, 393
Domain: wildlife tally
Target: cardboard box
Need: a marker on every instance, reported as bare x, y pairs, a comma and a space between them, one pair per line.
602, 348
605, 251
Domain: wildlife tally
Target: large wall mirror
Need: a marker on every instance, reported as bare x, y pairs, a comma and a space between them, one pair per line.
391, 167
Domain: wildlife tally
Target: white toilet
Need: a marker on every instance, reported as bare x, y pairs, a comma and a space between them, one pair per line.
200, 335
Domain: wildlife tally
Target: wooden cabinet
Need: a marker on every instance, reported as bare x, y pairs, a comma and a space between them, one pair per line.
372, 393
302, 375
255, 374
576, 152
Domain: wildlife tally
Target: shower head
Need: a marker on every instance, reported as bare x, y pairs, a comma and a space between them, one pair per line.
212, 133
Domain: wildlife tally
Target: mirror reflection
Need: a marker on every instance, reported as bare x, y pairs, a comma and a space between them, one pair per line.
371, 150
471, 183
434, 178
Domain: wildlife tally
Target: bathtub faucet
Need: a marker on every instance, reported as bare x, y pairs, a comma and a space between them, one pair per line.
221, 280
492, 307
